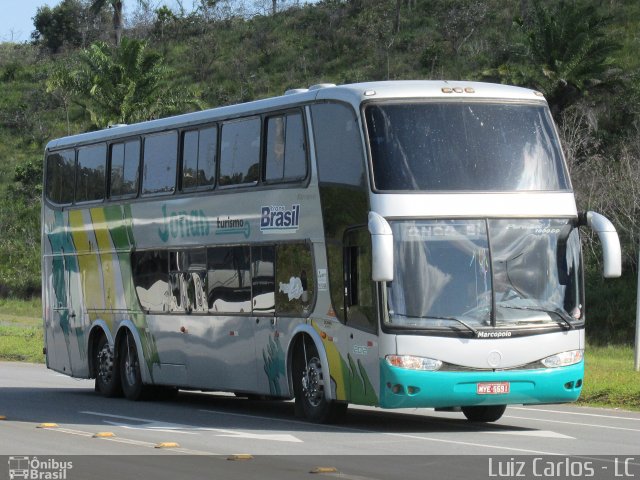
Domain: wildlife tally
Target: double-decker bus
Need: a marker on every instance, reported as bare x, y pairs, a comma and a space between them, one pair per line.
396, 244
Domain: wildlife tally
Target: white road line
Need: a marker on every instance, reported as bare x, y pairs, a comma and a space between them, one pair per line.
285, 420
574, 423
531, 433
416, 437
123, 417
576, 413
130, 441
156, 426
469, 444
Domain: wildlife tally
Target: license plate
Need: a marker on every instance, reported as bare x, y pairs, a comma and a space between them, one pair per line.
493, 388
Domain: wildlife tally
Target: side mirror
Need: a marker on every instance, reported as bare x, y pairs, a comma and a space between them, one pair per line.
382, 248
611, 252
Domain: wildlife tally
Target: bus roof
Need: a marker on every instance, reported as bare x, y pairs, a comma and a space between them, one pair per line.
351, 93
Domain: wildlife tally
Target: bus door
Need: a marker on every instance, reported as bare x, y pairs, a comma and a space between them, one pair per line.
361, 318
58, 314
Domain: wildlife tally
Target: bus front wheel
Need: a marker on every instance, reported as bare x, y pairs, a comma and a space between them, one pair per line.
130, 376
489, 413
309, 387
107, 372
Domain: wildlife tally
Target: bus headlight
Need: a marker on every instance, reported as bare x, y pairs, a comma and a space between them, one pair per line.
413, 363
564, 359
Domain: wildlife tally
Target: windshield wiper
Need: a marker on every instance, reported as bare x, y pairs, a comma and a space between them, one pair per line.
431, 317
557, 313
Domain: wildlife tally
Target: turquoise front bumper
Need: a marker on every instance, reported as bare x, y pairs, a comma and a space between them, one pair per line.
402, 388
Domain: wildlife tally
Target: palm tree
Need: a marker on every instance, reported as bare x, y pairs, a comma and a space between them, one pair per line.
567, 51
127, 84
118, 19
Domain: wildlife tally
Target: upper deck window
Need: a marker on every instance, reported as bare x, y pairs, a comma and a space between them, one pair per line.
60, 176
160, 162
90, 173
464, 147
199, 158
240, 152
286, 153
125, 163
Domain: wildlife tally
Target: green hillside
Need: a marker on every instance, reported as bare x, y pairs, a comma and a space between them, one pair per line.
581, 54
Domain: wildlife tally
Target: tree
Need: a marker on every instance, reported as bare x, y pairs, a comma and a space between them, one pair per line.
127, 84
118, 18
567, 51
63, 85
57, 26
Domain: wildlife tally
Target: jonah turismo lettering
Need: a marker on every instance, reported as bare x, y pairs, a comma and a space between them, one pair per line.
279, 219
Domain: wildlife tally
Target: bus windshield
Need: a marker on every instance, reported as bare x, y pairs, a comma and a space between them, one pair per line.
475, 274
464, 147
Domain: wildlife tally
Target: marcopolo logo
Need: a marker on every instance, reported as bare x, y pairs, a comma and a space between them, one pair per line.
36, 469
495, 334
279, 219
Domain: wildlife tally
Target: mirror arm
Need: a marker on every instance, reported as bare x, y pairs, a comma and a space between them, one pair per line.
611, 250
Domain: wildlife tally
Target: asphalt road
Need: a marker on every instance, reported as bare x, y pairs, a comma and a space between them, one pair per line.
199, 435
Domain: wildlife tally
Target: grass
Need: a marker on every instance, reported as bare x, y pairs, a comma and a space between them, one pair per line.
610, 380
21, 335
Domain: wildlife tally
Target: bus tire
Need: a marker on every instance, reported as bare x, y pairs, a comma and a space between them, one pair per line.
106, 369
130, 376
309, 387
489, 413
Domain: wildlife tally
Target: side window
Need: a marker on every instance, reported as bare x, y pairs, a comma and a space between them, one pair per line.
150, 276
160, 163
359, 288
229, 280
90, 173
294, 279
125, 166
263, 279
286, 150
60, 176
199, 158
188, 281
240, 152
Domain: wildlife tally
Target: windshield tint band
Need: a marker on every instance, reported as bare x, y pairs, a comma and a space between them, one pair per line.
454, 146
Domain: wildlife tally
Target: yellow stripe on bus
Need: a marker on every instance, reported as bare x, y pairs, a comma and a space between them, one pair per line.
107, 257
88, 263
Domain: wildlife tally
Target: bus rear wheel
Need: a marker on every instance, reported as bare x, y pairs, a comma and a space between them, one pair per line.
107, 371
309, 387
489, 413
130, 376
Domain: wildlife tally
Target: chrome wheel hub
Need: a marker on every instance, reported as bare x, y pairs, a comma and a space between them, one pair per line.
105, 364
313, 383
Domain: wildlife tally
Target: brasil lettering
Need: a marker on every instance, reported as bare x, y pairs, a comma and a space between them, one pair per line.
183, 224
279, 219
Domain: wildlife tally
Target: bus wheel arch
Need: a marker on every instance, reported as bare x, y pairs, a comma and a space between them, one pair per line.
129, 359
311, 382
104, 364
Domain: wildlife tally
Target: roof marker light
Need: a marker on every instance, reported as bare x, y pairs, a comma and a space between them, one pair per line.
469, 90
369, 93
457, 90
447, 90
